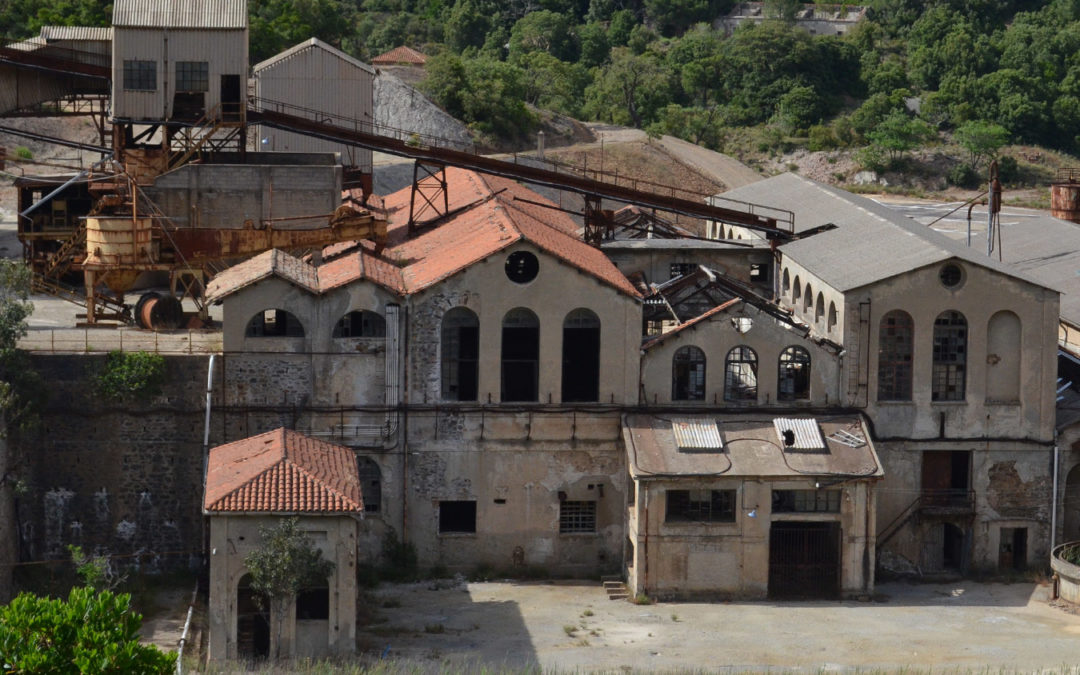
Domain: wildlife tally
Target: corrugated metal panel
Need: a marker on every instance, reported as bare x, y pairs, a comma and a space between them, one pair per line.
76, 32
807, 433
696, 434
181, 13
316, 76
21, 88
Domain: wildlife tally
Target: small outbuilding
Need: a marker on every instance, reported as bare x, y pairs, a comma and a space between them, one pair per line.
253, 483
400, 56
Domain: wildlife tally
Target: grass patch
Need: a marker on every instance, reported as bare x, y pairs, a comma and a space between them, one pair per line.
587, 612
642, 599
569, 630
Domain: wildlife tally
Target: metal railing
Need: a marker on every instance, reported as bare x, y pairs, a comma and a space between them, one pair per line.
959, 499
101, 340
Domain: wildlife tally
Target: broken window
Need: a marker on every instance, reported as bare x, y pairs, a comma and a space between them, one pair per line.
819, 308
460, 355
950, 357
740, 374
313, 604
806, 501
360, 324
370, 483
581, 357
577, 517
700, 506
832, 315
140, 75
688, 375
681, 269
520, 356
457, 517
894, 356
794, 380
274, 323
796, 292
759, 274
786, 283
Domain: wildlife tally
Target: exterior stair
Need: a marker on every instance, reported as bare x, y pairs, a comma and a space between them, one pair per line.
615, 588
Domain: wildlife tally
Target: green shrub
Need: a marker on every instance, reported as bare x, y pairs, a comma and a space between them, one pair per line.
962, 175
130, 374
1008, 169
23, 152
822, 138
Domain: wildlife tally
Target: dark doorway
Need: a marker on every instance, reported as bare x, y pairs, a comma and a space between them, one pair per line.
804, 560
188, 105
252, 623
520, 356
581, 357
946, 478
1012, 551
953, 548
231, 100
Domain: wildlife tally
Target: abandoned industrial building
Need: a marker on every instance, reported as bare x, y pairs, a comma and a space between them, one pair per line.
465, 367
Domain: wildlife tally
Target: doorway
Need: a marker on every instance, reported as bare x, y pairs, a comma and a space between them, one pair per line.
1012, 550
804, 560
252, 623
231, 100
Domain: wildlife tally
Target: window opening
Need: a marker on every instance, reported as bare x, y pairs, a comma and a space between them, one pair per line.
522, 267
688, 376
786, 283
577, 517
819, 308
313, 604
193, 76
370, 484
950, 357
520, 356
894, 356
274, 323
759, 273
740, 374
360, 324
794, 375
460, 355
581, 357
832, 315
808, 298
705, 506
140, 75
806, 501
457, 517
951, 276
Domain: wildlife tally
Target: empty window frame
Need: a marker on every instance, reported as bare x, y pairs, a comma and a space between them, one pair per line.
950, 357
700, 506
679, 269
740, 374
832, 316
577, 517
457, 517
806, 501
808, 298
520, 356
460, 355
581, 357
140, 75
895, 340
819, 308
192, 76
274, 323
759, 274
688, 374
360, 324
370, 484
313, 604
794, 375
785, 287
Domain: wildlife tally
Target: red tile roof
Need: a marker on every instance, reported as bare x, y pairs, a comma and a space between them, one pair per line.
399, 55
723, 307
262, 266
282, 471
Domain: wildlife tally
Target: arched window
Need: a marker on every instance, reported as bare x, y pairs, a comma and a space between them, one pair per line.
950, 357
581, 357
796, 292
360, 324
740, 374
1003, 357
520, 356
785, 288
819, 308
794, 378
274, 323
808, 299
460, 355
832, 315
688, 375
370, 484
894, 356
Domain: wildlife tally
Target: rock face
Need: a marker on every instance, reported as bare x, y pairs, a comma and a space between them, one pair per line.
402, 106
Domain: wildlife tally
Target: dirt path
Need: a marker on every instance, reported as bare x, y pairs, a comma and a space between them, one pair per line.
723, 168
573, 627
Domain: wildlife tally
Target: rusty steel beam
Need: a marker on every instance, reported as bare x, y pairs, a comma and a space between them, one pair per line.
505, 169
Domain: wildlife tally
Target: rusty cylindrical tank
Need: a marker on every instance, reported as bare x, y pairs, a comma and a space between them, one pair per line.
1065, 195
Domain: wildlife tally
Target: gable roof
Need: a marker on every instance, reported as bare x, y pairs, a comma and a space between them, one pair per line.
282, 471
270, 263
92, 33
228, 14
870, 243
398, 55
313, 43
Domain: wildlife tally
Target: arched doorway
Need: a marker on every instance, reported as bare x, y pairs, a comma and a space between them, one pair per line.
252, 623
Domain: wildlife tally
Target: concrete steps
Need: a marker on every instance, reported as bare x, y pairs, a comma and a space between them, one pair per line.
615, 588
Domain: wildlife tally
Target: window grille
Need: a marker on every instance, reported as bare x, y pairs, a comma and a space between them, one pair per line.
577, 517
140, 75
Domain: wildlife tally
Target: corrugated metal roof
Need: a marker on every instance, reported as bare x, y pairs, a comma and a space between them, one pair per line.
696, 434
313, 43
1048, 249
181, 13
76, 33
871, 242
806, 430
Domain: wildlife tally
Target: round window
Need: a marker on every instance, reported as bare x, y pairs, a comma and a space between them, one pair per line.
522, 267
951, 275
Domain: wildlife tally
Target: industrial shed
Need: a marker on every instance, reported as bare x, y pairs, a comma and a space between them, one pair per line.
317, 77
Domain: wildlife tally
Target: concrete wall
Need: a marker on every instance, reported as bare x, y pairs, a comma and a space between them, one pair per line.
823, 324
232, 537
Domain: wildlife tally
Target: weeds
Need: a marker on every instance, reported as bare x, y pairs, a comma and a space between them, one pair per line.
675, 618
569, 630
642, 599
587, 612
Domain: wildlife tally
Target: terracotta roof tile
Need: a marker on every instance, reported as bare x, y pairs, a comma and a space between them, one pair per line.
398, 55
262, 266
282, 471
363, 264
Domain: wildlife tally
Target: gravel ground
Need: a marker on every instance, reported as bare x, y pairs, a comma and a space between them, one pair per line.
572, 626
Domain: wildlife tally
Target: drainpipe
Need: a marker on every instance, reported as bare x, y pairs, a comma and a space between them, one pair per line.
206, 425
1054, 493
404, 407
645, 543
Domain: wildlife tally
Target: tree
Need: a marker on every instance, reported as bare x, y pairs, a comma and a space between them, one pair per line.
898, 133
88, 633
630, 90
544, 31
982, 140
783, 10
467, 26
286, 563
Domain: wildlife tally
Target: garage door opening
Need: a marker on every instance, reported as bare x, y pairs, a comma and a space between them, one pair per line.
804, 561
